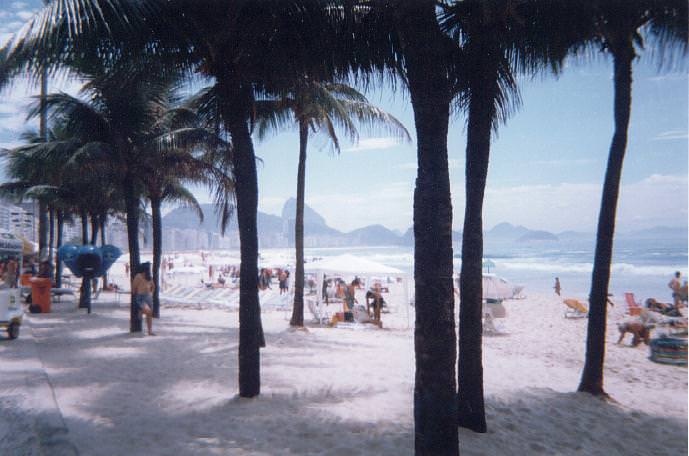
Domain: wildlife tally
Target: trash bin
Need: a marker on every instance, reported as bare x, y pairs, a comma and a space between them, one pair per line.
40, 293
25, 280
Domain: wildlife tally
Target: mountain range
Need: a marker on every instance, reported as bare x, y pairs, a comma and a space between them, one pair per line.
278, 230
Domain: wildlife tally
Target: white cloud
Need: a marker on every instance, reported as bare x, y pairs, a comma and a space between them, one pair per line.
664, 179
25, 15
19, 5
389, 205
373, 144
670, 135
669, 77
12, 26
565, 162
655, 200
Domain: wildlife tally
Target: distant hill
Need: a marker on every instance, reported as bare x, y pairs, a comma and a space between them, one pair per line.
278, 231
373, 235
506, 230
538, 236
311, 217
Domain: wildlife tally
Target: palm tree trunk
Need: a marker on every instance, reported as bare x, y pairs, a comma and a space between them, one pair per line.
60, 232
470, 402
157, 222
51, 232
435, 404
132, 208
102, 219
298, 307
85, 289
592, 375
94, 229
246, 191
42, 229
43, 132
84, 227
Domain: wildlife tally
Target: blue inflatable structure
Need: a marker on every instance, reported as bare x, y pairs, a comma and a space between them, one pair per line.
88, 262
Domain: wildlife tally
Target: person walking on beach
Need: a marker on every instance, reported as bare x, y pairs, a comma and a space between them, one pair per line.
282, 279
142, 287
557, 286
675, 285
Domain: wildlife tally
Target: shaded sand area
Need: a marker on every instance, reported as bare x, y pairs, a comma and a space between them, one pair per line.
325, 391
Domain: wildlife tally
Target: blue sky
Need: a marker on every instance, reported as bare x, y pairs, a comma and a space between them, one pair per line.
547, 163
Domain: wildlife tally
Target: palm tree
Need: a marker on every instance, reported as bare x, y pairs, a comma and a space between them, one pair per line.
498, 39
317, 106
620, 28
403, 37
175, 154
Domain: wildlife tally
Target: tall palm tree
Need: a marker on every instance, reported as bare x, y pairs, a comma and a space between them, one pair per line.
317, 106
620, 28
405, 38
181, 149
498, 39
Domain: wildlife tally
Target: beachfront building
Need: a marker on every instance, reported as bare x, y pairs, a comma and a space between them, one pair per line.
18, 219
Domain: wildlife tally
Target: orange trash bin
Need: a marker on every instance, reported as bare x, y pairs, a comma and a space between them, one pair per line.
25, 280
40, 293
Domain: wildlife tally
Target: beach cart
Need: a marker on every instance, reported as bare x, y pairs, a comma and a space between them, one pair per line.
10, 305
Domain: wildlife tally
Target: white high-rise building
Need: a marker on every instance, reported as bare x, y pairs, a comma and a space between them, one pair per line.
17, 220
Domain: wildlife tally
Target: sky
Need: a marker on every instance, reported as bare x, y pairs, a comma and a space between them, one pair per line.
547, 161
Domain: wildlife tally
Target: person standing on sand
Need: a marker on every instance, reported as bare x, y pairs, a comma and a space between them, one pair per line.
557, 286
142, 287
675, 285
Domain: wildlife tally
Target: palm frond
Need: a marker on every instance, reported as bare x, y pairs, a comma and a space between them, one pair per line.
174, 192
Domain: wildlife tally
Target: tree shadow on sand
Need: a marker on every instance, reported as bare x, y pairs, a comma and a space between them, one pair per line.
543, 421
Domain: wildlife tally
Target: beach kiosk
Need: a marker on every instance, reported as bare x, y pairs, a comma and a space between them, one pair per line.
10, 305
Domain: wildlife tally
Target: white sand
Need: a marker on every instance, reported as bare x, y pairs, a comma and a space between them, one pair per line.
326, 391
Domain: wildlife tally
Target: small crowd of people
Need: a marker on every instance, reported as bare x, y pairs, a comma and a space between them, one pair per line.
336, 288
265, 279
679, 296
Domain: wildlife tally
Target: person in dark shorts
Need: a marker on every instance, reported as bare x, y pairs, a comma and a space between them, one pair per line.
142, 287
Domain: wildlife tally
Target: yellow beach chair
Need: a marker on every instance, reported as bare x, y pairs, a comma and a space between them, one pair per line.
575, 308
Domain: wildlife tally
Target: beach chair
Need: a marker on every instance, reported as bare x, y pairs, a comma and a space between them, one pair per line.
575, 308
320, 315
633, 307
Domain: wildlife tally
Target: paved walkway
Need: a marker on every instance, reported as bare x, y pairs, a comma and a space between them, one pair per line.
30, 419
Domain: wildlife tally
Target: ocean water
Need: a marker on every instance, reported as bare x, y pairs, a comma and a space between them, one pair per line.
643, 267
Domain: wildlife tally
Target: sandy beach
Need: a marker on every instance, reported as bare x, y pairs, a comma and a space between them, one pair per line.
75, 383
